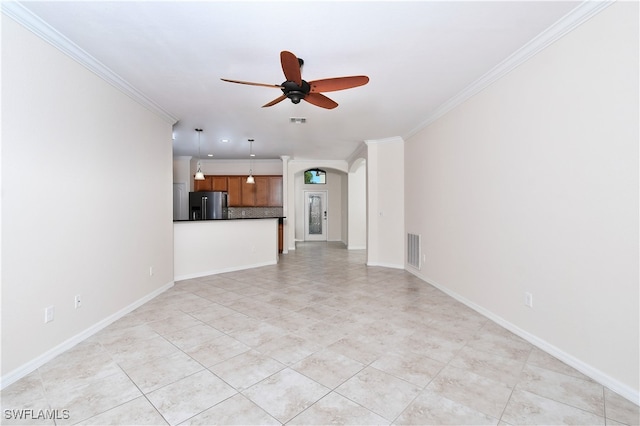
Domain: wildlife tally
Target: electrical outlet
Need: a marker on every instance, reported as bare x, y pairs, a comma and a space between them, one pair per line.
150, 271
528, 299
77, 302
48, 314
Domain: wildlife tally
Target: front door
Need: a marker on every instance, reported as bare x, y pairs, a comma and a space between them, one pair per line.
315, 214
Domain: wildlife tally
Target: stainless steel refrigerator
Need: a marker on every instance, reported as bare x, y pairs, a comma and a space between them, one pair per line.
208, 205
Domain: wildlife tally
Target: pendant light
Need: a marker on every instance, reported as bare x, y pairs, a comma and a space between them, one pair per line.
250, 178
199, 174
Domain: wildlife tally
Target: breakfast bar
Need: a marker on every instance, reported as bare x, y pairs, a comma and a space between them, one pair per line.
207, 247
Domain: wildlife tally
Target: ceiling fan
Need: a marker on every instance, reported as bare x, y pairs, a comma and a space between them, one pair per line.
296, 89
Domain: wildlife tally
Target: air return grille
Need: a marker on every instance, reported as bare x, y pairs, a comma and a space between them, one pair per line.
413, 250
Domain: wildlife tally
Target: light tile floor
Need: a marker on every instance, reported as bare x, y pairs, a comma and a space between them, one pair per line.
319, 338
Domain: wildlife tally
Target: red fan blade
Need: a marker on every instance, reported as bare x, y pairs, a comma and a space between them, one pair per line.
291, 67
275, 101
320, 100
338, 83
252, 84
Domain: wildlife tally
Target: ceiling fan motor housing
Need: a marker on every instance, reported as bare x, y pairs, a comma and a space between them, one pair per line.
294, 92
296, 89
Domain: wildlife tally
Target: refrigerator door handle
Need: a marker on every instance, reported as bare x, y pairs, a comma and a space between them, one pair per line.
204, 208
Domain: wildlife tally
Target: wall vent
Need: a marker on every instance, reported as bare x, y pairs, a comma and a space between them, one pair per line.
413, 250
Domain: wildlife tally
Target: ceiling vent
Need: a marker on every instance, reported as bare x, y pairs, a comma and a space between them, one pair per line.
297, 120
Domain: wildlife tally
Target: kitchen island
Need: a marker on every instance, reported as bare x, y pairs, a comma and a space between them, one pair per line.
207, 247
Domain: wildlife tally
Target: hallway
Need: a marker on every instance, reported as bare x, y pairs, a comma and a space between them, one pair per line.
319, 338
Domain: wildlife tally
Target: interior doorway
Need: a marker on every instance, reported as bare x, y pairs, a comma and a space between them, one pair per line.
315, 216
180, 201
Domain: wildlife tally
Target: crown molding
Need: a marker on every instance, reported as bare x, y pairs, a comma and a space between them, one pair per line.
559, 29
360, 152
393, 139
566, 24
36, 25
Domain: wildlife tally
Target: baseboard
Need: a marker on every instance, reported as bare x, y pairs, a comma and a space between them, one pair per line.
224, 270
386, 265
588, 370
38, 362
356, 247
296, 240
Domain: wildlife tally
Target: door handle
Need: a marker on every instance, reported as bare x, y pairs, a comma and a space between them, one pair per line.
204, 207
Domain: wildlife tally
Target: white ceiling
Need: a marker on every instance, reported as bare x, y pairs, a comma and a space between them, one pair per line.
417, 54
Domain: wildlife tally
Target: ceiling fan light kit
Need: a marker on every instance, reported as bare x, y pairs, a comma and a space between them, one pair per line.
296, 89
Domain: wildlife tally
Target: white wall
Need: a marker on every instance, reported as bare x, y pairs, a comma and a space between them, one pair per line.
240, 167
86, 201
385, 198
532, 186
357, 202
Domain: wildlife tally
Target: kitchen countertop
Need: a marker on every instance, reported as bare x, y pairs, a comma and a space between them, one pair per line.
235, 218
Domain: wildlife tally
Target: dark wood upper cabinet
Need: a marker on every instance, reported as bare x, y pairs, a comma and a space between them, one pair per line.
219, 183
275, 191
262, 191
203, 185
265, 192
234, 189
248, 193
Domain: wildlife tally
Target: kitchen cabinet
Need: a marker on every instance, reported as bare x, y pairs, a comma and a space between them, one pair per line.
248, 195
275, 191
234, 189
219, 183
265, 192
262, 191
203, 185
211, 183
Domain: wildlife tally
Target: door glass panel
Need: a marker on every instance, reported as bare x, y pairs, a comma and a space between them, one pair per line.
315, 214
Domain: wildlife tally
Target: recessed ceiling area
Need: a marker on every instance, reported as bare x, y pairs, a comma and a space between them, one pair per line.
417, 54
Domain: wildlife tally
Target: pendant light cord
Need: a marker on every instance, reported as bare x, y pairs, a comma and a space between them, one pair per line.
250, 178
199, 174
199, 132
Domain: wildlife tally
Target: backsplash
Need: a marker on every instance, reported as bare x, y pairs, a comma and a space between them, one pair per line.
254, 212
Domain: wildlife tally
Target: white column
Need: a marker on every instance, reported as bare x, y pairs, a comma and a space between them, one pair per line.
285, 202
